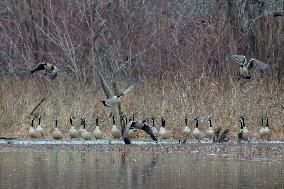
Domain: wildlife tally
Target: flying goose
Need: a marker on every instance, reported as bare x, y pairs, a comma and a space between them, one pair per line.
133, 133
137, 125
56, 134
209, 133
185, 131
98, 134
85, 134
111, 98
50, 70
154, 129
73, 133
39, 129
196, 133
163, 132
246, 67
32, 132
116, 133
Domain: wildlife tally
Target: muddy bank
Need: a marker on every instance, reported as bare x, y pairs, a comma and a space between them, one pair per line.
230, 150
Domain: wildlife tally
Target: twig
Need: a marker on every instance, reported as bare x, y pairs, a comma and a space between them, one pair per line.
38, 105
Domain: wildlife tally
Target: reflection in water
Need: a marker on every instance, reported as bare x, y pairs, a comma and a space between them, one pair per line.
30, 170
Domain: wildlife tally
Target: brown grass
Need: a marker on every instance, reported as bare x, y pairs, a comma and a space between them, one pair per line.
179, 50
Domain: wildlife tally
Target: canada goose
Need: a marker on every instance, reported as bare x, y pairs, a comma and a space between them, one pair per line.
243, 132
132, 133
221, 137
81, 126
56, 134
98, 134
32, 132
186, 130
85, 134
209, 133
246, 67
196, 133
267, 130
50, 70
116, 133
137, 125
261, 130
154, 129
111, 98
39, 128
163, 132
73, 133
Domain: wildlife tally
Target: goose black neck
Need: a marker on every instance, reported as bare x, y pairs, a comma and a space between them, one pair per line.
266, 121
126, 121
84, 123
163, 122
71, 121
243, 121
186, 121
39, 120
113, 120
33, 122
210, 123
56, 123
196, 124
153, 121
262, 122
97, 121
241, 124
133, 118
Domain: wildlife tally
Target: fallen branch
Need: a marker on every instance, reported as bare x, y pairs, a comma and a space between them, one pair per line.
36, 107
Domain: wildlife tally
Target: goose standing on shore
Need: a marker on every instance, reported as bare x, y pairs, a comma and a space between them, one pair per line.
163, 132
115, 132
73, 133
246, 67
185, 131
85, 134
56, 134
154, 129
50, 70
98, 134
209, 133
267, 130
39, 128
32, 132
196, 133
111, 98
261, 131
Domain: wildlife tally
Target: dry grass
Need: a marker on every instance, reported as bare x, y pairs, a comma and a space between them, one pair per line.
172, 97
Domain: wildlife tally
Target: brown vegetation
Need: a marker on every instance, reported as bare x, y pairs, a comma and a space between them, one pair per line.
180, 50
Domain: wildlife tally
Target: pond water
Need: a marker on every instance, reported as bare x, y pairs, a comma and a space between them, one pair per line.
115, 169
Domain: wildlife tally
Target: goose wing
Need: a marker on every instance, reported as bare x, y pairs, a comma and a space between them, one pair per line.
106, 88
239, 59
224, 137
256, 64
125, 133
128, 88
39, 67
149, 131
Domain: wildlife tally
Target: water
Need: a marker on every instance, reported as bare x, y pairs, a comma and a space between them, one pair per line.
89, 169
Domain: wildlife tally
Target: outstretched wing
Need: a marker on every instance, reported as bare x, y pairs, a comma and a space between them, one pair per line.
239, 59
106, 88
125, 133
128, 88
39, 67
256, 64
149, 131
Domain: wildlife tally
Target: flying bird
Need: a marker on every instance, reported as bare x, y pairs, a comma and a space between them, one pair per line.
50, 70
246, 67
111, 98
137, 125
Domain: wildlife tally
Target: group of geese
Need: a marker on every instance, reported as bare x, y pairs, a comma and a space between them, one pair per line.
131, 130
130, 126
